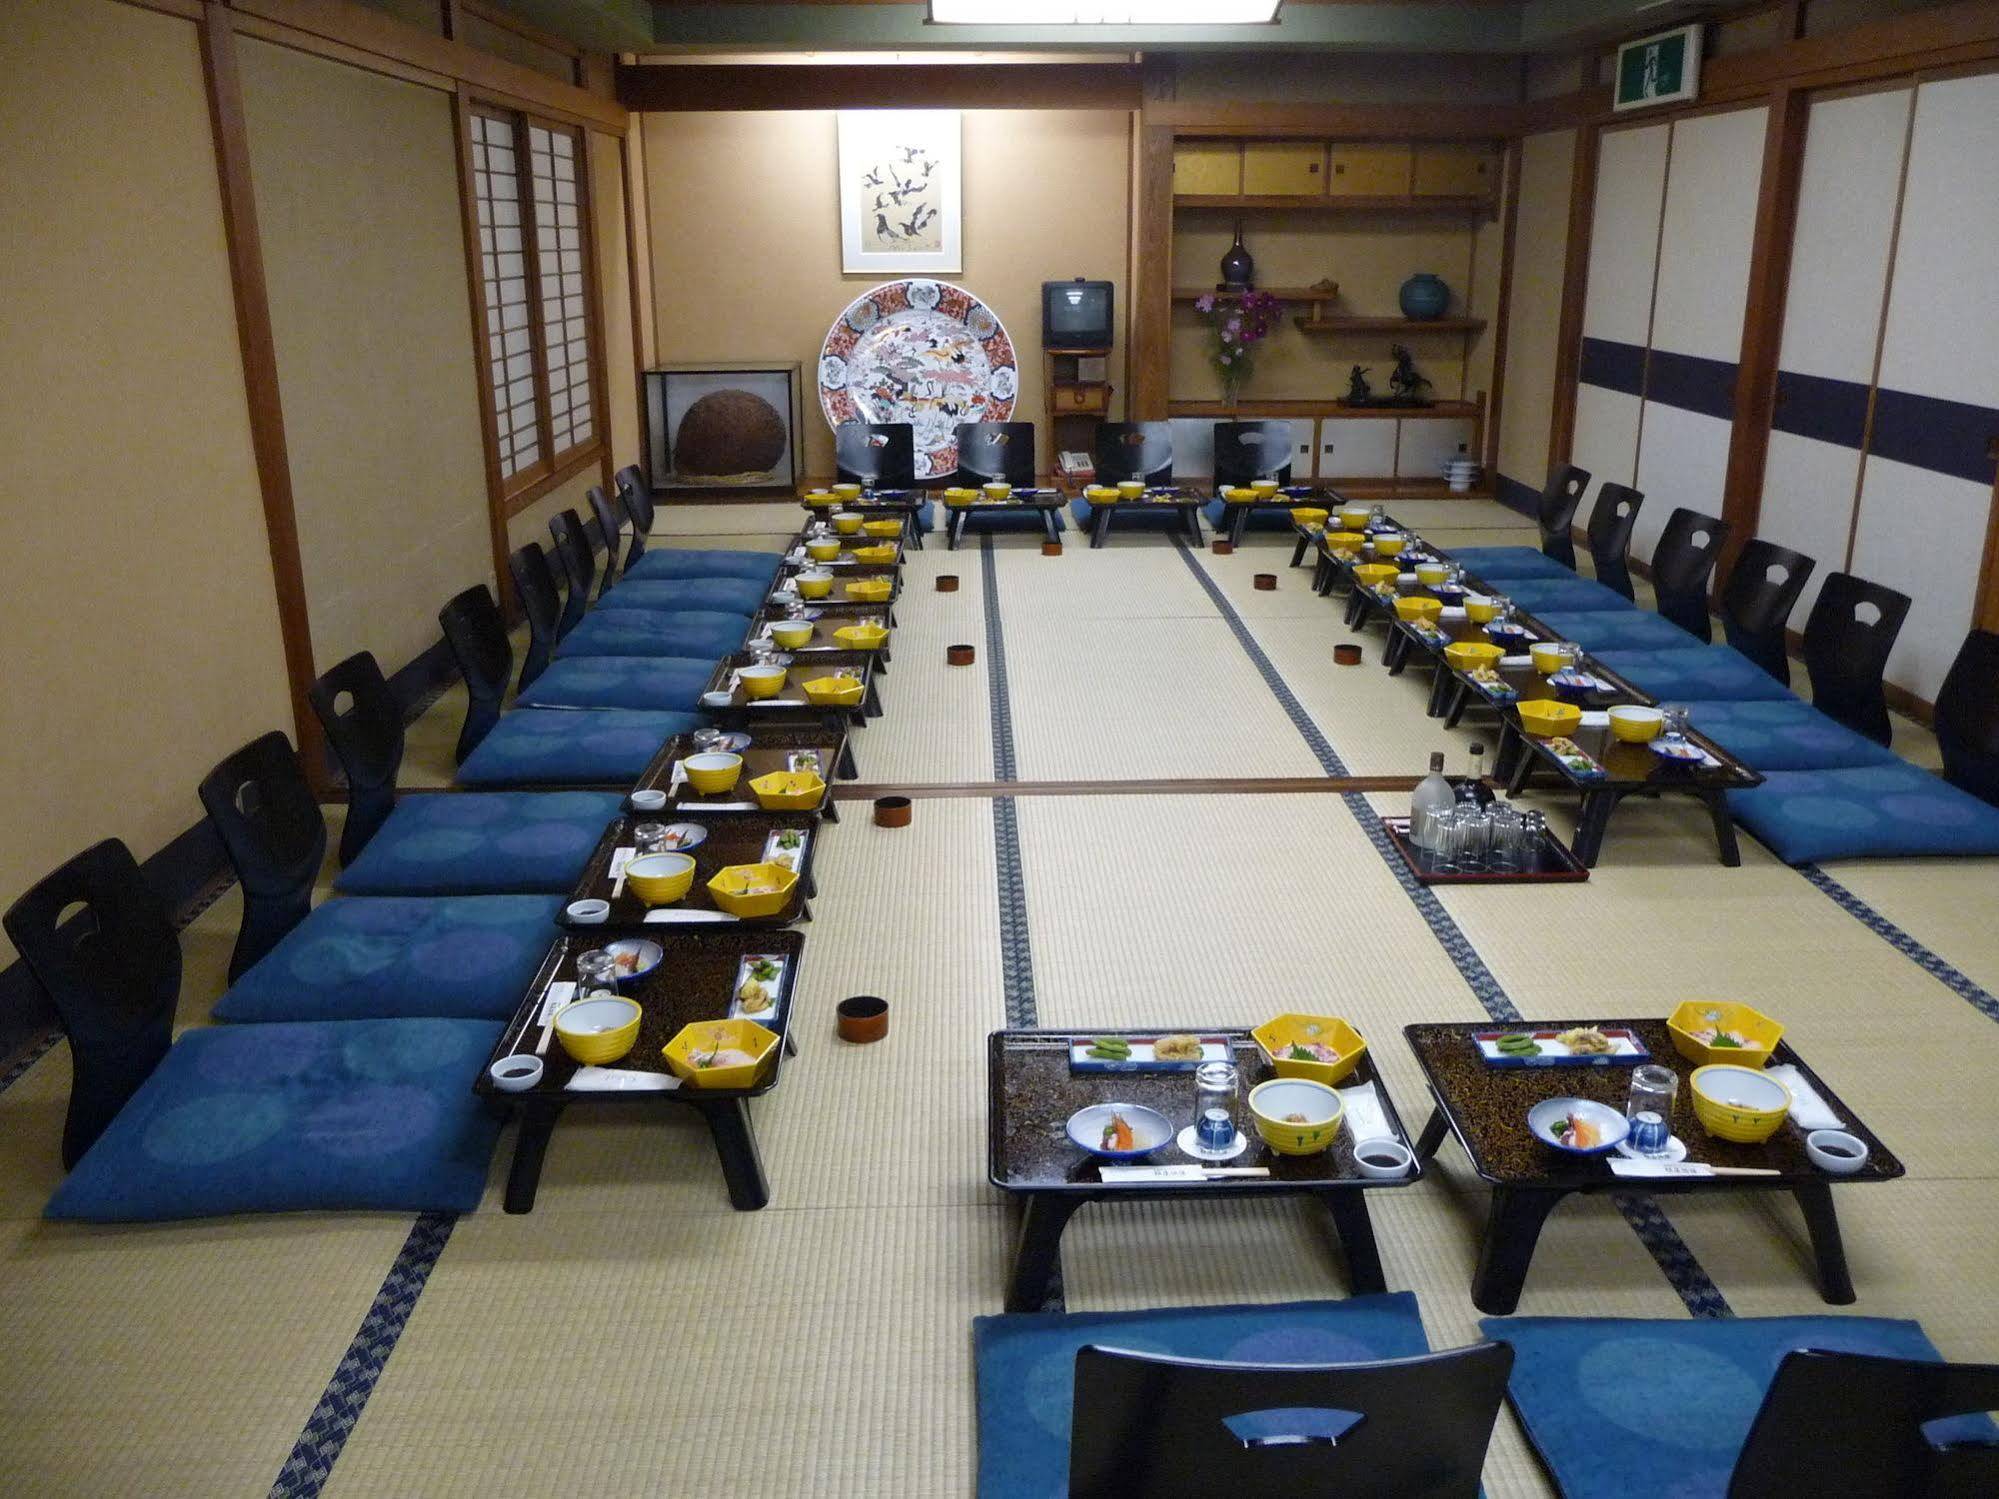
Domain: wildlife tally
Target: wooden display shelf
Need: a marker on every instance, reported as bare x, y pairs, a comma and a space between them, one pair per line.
1249, 410
1339, 323
1282, 293
1337, 203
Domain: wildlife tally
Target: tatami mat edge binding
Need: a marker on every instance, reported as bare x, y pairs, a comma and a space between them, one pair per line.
1944, 972
1668, 1250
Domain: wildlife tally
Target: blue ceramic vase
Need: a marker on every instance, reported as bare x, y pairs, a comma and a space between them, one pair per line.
1424, 296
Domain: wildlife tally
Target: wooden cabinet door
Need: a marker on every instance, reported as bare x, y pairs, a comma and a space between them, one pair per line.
1368, 171
1213, 167
1287, 169
1456, 172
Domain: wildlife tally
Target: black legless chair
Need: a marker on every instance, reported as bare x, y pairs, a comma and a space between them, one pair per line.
1247, 451
1682, 564
1967, 717
1757, 600
1852, 1424
541, 602
1556, 514
1134, 450
995, 453
1611, 522
275, 835
1848, 636
635, 493
366, 737
1149, 1427
477, 637
876, 455
610, 516
579, 568
112, 971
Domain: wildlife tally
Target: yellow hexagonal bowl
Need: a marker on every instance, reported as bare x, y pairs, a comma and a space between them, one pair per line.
824, 550
1101, 494
1470, 655
834, 692
846, 523
1544, 718
660, 879
813, 585
1371, 573
1417, 606
788, 790
591, 1032
1271, 1100
869, 590
1753, 1026
1738, 1103
957, 495
1308, 515
753, 889
762, 681
705, 1037
791, 633
888, 528
1276, 1035
862, 637
874, 554
1344, 541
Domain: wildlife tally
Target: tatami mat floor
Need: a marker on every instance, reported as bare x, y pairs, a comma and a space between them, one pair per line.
624, 1336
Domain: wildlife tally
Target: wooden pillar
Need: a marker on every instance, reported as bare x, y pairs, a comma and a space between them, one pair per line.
482, 380
1150, 336
1575, 289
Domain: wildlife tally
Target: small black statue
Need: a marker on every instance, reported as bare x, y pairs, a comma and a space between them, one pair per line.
1357, 392
1407, 384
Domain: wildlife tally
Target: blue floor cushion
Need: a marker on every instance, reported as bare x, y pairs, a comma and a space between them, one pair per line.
730, 595
1570, 595
374, 957
1503, 564
1618, 630
691, 562
318, 1116
1785, 734
645, 632
1027, 1366
1127, 515
663, 683
482, 843
1714, 673
1870, 811
1620, 1407
546, 747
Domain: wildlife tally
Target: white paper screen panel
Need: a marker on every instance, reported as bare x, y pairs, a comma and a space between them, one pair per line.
1606, 441
1682, 461
1624, 234
1364, 448
1709, 225
1808, 490
1193, 444
1924, 533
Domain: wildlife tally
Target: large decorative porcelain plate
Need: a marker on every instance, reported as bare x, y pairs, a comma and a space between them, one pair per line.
923, 352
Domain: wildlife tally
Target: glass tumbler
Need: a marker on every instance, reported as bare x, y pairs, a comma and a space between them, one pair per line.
596, 973
649, 838
1215, 1085
1650, 1109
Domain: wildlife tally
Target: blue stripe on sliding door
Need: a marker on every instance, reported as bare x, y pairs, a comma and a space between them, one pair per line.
1613, 366
1816, 406
1691, 383
1946, 437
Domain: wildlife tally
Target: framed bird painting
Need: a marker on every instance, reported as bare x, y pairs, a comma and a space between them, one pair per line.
901, 191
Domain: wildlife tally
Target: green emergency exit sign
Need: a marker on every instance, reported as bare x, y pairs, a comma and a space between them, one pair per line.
1661, 69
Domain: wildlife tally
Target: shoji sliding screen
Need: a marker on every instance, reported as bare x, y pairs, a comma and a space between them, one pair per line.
1617, 311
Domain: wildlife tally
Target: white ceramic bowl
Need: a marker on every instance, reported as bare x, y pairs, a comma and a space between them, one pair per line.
1382, 1158
1613, 1125
650, 800
1150, 1129
1836, 1151
516, 1074
587, 912
717, 699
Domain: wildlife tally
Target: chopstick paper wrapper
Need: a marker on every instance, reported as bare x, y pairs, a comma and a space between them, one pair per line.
620, 1080
1623, 1166
620, 857
1808, 1110
1176, 1173
554, 998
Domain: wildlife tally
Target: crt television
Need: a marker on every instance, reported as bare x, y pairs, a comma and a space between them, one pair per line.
1076, 314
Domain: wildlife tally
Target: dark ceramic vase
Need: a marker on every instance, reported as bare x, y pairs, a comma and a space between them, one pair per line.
1424, 296
1238, 270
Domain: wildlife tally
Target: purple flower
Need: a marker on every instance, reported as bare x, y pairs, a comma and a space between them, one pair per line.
1205, 302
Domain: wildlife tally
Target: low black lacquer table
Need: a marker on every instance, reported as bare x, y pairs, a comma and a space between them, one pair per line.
695, 981
880, 504
771, 748
1031, 1093
789, 705
1236, 513
1047, 502
826, 619
738, 838
1168, 499
1486, 1108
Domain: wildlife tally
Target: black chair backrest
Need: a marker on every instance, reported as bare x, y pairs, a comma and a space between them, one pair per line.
995, 452
112, 971
271, 826
477, 636
1848, 635
1149, 1427
610, 522
579, 567
880, 455
1560, 498
1245, 451
1967, 717
1682, 563
1134, 450
636, 494
1851, 1424
1757, 600
1610, 525
534, 586
367, 740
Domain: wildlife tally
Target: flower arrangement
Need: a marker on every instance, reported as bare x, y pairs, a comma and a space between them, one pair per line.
1236, 325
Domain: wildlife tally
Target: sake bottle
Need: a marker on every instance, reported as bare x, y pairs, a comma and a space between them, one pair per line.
1433, 795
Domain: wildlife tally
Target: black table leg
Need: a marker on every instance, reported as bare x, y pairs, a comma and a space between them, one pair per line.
1433, 1135
957, 525
1395, 654
736, 1143
1037, 1251
1190, 516
1440, 692
1591, 825
1298, 550
1049, 521
537, 1124
1835, 1283
1460, 700
1512, 1229
1100, 525
1724, 827
914, 531
1238, 520
847, 770
1364, 1277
